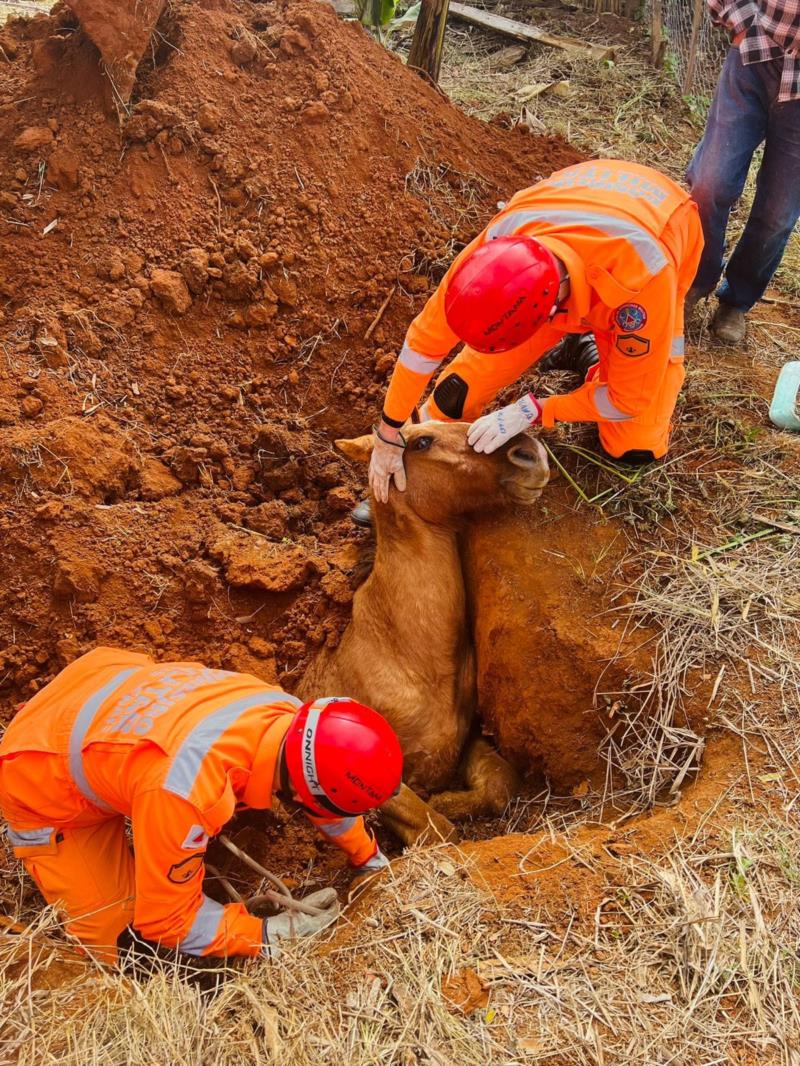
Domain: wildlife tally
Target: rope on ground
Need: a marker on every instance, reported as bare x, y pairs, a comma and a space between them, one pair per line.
281, 898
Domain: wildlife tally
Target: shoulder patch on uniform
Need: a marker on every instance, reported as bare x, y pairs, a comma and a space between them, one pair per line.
630, 317
631, 344
196, 838
181, 872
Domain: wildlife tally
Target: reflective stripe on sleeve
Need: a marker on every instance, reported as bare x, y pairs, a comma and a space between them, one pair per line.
647, 247
420, 364
188, 760
29, 838
84, 719
606, 408
203, 930
337, 829
678, 347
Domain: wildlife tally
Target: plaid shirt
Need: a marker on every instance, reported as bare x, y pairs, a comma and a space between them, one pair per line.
771, 30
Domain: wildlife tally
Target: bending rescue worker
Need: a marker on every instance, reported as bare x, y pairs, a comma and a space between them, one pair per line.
606, 247
177, 748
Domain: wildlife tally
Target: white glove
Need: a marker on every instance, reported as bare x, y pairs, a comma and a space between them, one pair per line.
490, 431
386, 462
288, 925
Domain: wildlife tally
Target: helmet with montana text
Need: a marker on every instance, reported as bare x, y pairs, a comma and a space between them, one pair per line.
342, 757
502, 293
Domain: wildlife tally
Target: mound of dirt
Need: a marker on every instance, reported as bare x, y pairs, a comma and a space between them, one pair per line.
183, 329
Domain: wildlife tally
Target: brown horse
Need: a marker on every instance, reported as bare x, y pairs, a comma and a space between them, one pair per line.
408, 650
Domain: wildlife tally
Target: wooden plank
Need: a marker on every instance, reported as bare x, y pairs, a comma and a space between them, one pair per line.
521, 31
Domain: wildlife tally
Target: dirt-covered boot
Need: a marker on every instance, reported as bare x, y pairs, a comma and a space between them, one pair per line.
728, 324
577, 352
691, 300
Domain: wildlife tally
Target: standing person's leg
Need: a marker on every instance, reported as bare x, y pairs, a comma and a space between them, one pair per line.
775, 211
89, 872
737, 124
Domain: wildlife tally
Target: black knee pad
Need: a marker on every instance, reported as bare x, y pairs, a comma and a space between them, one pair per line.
451, 395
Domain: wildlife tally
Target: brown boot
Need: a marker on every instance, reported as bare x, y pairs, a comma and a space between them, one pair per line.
692, 299
728, 324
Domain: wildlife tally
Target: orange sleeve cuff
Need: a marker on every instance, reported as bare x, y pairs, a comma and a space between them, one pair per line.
404, 393
240, 933
577, 406
548, 419
351, 835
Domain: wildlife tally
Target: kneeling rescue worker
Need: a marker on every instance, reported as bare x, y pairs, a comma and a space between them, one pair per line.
177, 748
605, 247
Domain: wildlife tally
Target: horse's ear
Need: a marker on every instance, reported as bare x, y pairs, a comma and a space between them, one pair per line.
359, 449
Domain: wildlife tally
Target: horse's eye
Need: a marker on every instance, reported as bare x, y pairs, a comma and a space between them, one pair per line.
421, 444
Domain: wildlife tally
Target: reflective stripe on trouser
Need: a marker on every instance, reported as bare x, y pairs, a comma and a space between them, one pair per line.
88, 874
649, 432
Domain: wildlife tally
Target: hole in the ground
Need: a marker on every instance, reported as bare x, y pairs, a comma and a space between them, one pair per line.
498, 623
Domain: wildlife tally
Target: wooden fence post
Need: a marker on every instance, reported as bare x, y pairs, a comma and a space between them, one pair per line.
694, 40
426, 47
657, 41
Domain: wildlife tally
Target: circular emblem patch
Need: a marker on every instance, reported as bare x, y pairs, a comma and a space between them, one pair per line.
630, 317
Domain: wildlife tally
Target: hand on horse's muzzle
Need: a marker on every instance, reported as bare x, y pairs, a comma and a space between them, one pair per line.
386, 463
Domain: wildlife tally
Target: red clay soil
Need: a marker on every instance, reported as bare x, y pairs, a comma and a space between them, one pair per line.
555, 668
183, 311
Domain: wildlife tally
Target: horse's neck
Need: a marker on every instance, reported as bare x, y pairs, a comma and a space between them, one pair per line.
415, 593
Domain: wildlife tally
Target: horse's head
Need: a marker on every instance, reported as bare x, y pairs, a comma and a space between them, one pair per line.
447, 479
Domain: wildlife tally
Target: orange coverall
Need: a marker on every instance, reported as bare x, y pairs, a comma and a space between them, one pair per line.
631, 240
175, 747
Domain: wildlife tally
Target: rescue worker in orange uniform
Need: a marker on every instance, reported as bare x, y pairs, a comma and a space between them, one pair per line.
177, 748
605, 247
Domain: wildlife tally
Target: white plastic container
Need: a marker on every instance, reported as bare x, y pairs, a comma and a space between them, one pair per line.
783, 411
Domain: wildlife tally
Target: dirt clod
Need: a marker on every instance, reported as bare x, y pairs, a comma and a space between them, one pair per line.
31, 406
63, 168
156, 481
33, 138
77, 579
171, 289
194, 267
249, 560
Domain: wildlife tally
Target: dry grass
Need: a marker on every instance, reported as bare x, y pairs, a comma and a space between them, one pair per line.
623, 108
685, 960
455, 201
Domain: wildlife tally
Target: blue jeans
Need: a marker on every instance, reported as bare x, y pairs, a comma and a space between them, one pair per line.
744, 113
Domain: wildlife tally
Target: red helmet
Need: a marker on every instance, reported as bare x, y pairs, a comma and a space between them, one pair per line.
500, 295
342, 758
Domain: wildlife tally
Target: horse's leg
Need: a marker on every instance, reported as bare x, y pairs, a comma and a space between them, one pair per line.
414, 821
491, 783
